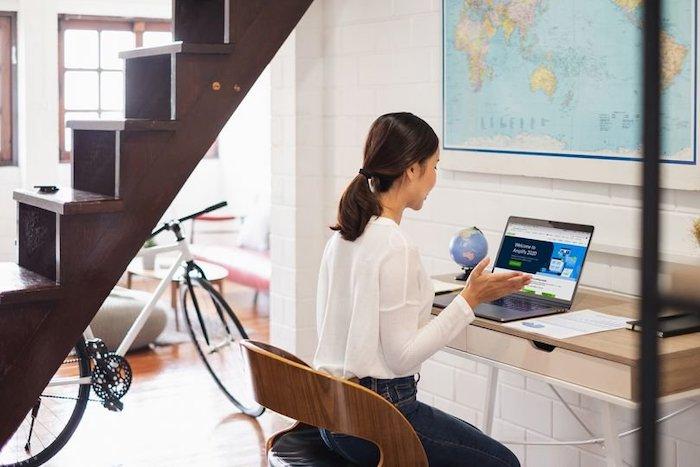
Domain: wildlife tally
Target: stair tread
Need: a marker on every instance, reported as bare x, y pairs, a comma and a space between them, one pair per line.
176, 48
126, 124
68, 201
18, 285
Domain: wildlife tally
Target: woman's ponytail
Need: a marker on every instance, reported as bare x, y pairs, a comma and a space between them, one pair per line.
357, 206
395, 142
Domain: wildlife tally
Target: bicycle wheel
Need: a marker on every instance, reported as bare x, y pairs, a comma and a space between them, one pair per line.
52, 421
216, 333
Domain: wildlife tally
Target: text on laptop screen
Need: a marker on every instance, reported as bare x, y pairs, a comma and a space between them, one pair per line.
553, 256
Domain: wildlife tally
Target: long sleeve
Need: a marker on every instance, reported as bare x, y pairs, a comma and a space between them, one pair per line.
373, 306
405, 343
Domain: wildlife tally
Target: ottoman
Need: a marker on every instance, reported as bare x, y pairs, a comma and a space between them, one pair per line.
118, 313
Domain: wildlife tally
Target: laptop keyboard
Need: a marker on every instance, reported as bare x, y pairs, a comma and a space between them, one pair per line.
514, 302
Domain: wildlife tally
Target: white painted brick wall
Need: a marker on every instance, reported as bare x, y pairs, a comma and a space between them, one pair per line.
384, 55
298, 168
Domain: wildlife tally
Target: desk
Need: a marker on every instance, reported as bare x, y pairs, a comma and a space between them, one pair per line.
603, 365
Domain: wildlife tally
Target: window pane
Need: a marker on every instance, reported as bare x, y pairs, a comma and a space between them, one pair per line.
155, 38
112, 92
112, 43
68, 140
111, 115
81, 90
6, 90
80, 48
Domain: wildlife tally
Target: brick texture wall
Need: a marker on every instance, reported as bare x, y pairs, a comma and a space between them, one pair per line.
352, 60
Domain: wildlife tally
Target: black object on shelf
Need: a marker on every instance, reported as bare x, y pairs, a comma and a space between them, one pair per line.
465, 274
46, 188
671, 325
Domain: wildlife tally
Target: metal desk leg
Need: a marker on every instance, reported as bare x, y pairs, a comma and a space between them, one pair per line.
490, 399
613, 453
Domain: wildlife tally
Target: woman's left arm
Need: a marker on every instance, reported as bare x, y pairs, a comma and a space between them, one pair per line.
405, 343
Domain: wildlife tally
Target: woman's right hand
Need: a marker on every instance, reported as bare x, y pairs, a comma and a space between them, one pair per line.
484, 286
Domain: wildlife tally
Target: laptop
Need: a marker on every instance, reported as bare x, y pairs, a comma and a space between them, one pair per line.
552, 252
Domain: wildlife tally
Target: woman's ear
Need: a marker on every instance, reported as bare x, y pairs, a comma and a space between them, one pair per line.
413, 171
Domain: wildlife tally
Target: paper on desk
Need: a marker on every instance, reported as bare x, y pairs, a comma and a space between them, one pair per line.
442, 286
570, 324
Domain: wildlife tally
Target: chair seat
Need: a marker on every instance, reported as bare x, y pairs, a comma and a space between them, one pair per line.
302, 448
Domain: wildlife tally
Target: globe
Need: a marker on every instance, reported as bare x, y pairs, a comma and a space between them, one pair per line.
467, 248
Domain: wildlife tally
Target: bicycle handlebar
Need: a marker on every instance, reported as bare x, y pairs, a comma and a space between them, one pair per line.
204, 211
166, 226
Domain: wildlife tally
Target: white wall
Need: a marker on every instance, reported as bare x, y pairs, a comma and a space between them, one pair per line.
381, 56
297, 224
245, 147
241, 174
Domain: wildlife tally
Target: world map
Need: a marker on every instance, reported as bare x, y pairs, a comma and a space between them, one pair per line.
564, 78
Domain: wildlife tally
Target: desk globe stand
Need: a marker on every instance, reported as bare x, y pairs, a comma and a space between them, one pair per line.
464, 275
467, 248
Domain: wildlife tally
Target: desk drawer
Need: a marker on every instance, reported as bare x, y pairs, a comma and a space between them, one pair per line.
460, 342
577, 368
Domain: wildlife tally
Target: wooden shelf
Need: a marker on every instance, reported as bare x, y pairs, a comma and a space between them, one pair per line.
19, 285
177, 48
67, 201
129, 124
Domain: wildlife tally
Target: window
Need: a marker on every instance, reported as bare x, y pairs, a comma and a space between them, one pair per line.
7, 88
91, 74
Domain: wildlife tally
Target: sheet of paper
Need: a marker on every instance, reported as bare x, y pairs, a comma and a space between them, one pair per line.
442, 286
570, 324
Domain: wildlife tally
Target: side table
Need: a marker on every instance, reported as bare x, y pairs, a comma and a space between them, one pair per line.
215, 274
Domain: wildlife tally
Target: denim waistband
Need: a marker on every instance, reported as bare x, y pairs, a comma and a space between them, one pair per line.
375, 384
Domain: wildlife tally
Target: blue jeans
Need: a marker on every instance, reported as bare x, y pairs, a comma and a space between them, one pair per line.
447, 440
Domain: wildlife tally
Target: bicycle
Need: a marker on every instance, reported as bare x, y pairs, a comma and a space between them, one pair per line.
215, 331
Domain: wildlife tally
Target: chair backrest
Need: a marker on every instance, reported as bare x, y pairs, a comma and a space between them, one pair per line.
285, 384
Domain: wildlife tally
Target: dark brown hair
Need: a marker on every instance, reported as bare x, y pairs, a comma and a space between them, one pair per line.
394, 143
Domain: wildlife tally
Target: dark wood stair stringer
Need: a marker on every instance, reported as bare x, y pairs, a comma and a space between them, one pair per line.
152, 174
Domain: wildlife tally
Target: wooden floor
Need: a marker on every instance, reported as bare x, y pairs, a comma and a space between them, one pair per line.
174, 415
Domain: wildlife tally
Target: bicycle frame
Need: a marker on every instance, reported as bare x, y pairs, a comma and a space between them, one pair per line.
184, 255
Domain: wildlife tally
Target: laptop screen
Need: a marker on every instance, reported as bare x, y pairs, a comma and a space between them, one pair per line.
553, 252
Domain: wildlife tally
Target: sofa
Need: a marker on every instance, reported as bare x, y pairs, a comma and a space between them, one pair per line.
247, 260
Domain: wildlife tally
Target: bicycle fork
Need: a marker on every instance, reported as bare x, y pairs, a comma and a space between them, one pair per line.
191, 266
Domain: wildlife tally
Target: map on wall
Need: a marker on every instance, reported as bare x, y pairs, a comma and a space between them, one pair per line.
564, 78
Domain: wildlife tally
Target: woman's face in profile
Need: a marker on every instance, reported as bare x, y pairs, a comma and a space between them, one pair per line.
424, 182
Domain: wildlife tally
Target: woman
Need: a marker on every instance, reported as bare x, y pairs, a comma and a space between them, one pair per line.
374, 297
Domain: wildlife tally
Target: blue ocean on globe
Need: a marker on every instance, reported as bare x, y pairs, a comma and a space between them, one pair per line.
468, 247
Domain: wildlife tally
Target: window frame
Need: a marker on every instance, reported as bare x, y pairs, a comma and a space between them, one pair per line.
8, 111
99, 23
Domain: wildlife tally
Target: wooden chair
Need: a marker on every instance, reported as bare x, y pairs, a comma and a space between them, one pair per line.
285, 384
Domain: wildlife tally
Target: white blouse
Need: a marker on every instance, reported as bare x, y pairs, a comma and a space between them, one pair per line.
373, 306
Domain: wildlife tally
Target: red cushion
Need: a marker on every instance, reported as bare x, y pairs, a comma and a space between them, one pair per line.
246, 267
215, 217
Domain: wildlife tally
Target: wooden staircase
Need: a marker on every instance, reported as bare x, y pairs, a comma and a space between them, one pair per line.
75, 244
